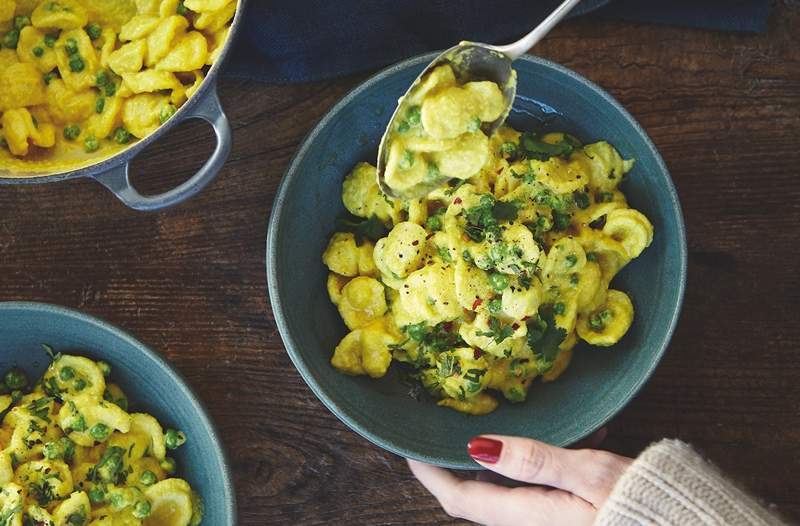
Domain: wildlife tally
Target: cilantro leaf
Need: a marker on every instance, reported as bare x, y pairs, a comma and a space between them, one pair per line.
544, 336
533, 148
505, 211
371, 228
497, 331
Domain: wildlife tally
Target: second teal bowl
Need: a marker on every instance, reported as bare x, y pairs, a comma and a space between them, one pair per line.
150, 383
598, 383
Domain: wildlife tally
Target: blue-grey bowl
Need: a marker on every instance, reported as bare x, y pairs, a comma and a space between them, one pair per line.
151, 384
598, 383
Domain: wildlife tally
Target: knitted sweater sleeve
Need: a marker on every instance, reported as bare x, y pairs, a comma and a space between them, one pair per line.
670, 484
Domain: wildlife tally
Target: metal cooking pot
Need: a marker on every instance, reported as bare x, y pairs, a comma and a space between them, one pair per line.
113, 171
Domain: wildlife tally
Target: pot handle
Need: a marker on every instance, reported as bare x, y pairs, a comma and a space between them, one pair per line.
118, 181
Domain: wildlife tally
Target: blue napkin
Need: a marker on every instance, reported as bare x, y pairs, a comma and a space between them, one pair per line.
306, 40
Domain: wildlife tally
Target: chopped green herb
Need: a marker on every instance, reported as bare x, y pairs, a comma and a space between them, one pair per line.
497, 331
508, 149
50, 40
434, 221
533, 148
591, 256
21, 21
474, 125
100, 105
581, 200
71, 46
37, 51
561, 220
544, 336
407, 160
371, 228
495, 305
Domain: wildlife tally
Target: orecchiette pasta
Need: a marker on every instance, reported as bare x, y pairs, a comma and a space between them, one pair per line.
71, 455
81, 80
491, 281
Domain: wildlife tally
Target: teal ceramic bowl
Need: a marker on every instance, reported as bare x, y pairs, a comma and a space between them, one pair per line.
598, 383
150, 383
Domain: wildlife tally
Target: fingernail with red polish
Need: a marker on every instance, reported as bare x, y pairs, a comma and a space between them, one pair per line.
485, 449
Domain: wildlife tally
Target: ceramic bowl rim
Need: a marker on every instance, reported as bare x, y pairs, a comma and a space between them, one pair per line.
277, 306
198, 408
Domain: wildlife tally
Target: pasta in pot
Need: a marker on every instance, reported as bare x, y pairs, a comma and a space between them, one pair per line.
487, 283
82, 79
71, 454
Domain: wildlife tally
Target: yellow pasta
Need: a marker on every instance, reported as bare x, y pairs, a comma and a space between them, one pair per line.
492, 280
70, 454
80, 68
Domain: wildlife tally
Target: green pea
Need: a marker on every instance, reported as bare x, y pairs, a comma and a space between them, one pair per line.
417, 332
117, 501
104, 368
122, 136
97, 495
79, 384
168, 465
174, 439
50, 40
166, 112
37, 51
495, 305
76, 64
15, 379
66, 373
99, 432
572, 259
434, 223
598, 320
148, 478
100, 105
474, 125
141, 509
499, 282
21, 21
414, 115
93, 30
11, 39
101, 79
90, 144
559, 308
71, 46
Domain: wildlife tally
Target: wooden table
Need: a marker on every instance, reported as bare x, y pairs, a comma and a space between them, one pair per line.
724, 109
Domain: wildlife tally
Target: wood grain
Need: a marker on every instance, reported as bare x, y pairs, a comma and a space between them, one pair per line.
724, 110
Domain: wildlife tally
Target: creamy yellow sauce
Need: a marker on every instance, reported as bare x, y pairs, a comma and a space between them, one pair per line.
81, 80
71, 454
485, 284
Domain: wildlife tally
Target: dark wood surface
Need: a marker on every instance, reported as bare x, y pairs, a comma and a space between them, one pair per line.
724, 110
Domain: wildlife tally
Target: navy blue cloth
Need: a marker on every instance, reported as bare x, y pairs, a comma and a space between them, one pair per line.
288, 41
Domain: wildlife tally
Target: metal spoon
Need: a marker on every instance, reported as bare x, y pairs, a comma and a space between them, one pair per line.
473, 61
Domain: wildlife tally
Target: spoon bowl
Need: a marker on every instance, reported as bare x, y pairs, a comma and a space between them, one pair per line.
470, 61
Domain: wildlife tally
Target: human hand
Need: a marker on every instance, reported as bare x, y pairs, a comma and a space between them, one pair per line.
569, 485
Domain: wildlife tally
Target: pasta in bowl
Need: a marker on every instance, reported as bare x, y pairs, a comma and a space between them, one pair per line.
82, 81
311, 199
73, 455
108, 435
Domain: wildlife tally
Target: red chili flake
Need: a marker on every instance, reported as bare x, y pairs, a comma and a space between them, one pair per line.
457, 201
415, 242
515, 326
526, 318
477, 353
477, 302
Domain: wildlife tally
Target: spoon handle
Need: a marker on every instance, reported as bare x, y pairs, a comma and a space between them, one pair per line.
518, 48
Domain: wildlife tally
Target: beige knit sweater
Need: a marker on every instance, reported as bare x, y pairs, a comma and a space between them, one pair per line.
669, 484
